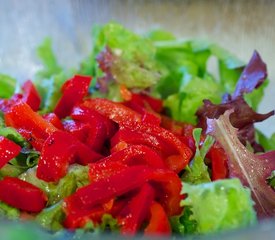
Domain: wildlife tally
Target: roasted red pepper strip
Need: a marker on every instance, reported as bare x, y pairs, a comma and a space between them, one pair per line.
30, 95
218, 163
136, 155
31, 124
98, 192
142, 99
22, 195
136, 211
158, 223
59, 150
101, 127
54, 120
8, 150
115, 111
74, 90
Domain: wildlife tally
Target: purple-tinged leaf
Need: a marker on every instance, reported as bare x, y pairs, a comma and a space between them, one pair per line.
251, 169
242, 118
252, 76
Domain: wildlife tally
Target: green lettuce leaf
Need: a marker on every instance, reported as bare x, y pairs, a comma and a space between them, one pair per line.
134, 64
7, 86
197, 172
268, 143
8, 211
52, 217
48, 59
219, 205
76, 177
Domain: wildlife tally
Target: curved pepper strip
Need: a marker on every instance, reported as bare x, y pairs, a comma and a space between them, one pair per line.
136, 211
26, 121
158, 223
99, 192
54, 120
22, 195
59, 150
73, 91
115, 111
8, 150
101, 127
135, 155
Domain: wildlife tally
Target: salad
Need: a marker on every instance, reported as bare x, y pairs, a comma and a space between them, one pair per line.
140, 138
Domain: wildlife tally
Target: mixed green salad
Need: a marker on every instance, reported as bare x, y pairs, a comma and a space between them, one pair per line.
140, 138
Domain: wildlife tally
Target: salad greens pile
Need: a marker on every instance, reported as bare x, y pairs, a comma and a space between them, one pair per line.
177, 71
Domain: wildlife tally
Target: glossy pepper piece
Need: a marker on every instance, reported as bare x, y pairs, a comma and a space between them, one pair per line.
31, 95
98, 192
22, 195
54, 120
135, 155
26, 121
115, 111
158, 222
8, 150
135, 212
73, 91
59, 150
218, 163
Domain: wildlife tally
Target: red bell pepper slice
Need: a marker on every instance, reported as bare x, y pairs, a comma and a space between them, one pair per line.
6, 104
135, 155
78, 129
74, 90
218, 163
98, 192
142, 99
22, 195
59, 150
33, 127
133, 137
101, 169
8, 150
54, 120
30, 95
115, 111
101, 127
158, 223
136, 211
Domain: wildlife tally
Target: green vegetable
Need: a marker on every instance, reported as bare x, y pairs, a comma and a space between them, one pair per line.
8, 211
268, 143
47, 56
7, 86
77, 177
271, 179
219, 205
52, 217
134, 64
197, 172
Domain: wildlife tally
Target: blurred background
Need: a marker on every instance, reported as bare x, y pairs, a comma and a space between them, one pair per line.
240, 26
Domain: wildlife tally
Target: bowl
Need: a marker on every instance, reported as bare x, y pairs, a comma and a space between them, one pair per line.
239, 26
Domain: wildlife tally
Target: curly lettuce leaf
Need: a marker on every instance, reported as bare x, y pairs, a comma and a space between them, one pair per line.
77, 177
8, 211
130, 59
197, 172
52, 217
268, 143
219, 205
251, 169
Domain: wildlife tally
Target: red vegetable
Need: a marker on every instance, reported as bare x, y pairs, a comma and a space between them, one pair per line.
8, 150
59, 150
30, 95
158, 223
54, 120
136, 211
74, 90
22, 195
29, 123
